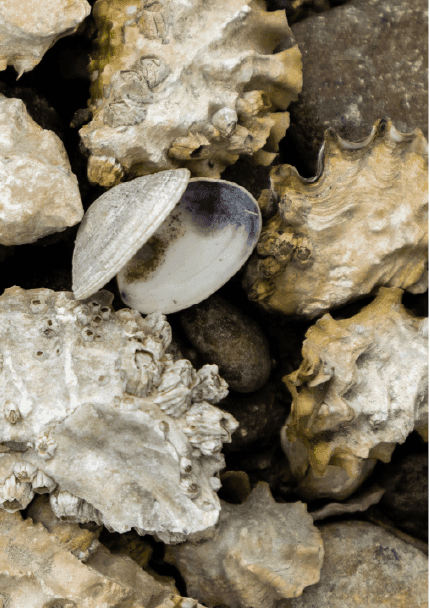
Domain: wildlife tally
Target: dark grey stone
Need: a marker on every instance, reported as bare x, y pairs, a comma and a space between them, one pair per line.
361, 61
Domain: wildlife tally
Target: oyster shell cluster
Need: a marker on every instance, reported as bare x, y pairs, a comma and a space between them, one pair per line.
96, 414
187, 84
354, 398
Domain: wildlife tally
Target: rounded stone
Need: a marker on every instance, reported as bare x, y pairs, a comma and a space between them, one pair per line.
223, 335
365, 566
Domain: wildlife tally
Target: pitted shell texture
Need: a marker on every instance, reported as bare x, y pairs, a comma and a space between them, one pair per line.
192, 84
110, 426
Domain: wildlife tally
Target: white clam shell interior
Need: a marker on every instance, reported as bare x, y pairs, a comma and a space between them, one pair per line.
204, 241
118, 223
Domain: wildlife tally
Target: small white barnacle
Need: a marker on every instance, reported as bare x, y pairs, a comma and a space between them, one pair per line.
186, 466
96, 320
11, 412
94, 307
64, 504
24, 471
15, 495
128, 403
43, 483
38, 305
40, 354
207, 506
83, 314
103, 380
105, 312
45, 447
88, 334
189, 487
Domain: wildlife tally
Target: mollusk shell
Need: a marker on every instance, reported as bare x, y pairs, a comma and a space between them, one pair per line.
118, 223
360, 223
204, 241
192, 84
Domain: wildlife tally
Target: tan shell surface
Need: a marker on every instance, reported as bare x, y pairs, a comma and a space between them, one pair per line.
29, 28
361, 223
192, 84
362, 386
118, 223
262, 553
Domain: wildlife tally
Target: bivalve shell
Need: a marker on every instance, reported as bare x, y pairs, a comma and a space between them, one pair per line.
118, 224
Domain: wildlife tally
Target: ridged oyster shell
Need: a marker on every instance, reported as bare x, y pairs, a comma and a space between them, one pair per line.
204, 241
191, 84
118, 223
96, 414
360, 223
261, 553
362, 386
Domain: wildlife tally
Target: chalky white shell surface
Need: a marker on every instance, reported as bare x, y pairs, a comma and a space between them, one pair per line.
123, 435
118, 223
204, 241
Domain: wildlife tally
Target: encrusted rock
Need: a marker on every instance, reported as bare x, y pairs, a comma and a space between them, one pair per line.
80, 387
223, 335
29, 29
366, 566
44, 569
362, 386
361, 62
261, 553
360, 223
39, 193
187, 85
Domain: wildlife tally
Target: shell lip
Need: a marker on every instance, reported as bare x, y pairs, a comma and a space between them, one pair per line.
83, 289
205, 289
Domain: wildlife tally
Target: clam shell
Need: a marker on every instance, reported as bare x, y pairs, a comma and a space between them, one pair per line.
205, 240
117, 225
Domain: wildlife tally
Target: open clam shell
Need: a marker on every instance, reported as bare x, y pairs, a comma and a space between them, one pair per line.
204, 241
117, 225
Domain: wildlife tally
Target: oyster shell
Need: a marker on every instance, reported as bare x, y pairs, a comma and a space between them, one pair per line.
204, 241
29, 29
360, 223
39, 194
362, 386
261, 553
191, 84
109, 425
118, 223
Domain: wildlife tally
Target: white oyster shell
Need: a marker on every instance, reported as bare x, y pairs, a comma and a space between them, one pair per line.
39, 194
28, 29
93, 431
204, 241
362, 386
191, 84
360, 223
118, 223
